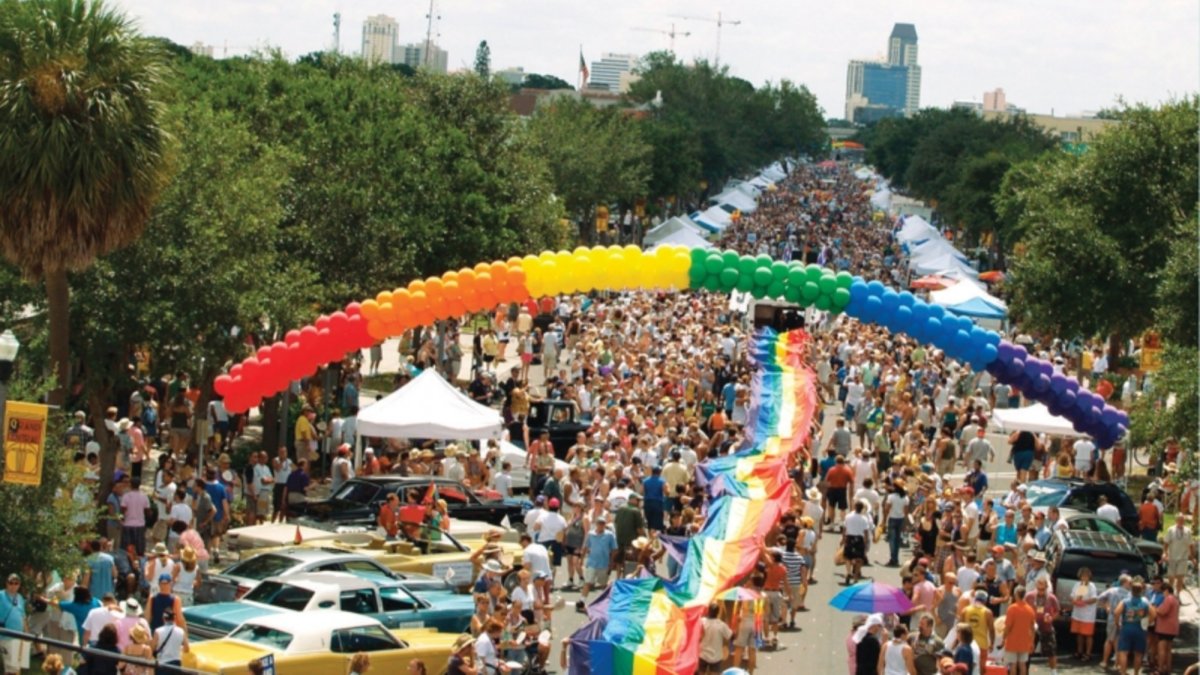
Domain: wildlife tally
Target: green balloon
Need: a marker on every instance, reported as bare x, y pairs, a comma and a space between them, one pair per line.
762, 276
813, 272
747, 265
759, 292
712, 283
823, 303
714, 263
731, 258
811, 292
828, 284
844, 279
729, 278
796, 278
764, 260
698, 256
841, 298
792, 294
696, 277
775, 290
779, 271
745, 283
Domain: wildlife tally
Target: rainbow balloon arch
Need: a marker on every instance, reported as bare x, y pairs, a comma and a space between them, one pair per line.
647, 624
674, 268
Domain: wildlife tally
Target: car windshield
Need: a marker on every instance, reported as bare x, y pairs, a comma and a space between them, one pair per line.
261, 566
270, 638
357, 492
1044, 494
283, 596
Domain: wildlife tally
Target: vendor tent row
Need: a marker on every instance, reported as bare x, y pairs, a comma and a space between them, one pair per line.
929, 253
738, 196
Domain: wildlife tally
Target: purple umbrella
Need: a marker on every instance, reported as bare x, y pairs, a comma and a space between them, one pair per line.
870, 597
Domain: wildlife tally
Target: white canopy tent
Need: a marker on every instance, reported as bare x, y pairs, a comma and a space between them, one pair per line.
943, 264
428, 407
679, 237
1035, 419
716, 216
774, 173
882, 200
916, 229
671, 226
964, 290
931, 248
737, 199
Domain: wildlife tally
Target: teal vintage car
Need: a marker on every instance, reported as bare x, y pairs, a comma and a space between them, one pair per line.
389, 602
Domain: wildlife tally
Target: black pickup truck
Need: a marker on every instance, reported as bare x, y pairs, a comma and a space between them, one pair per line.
560, 418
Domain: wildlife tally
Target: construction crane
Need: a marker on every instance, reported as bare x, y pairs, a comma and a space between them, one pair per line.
669, 33
720, 21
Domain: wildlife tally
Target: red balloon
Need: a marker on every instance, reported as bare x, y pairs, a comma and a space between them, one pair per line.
221, 384
250, 371
278, 356
353, 309
235, 370
292, 337
262, 352
322, 322
356, 334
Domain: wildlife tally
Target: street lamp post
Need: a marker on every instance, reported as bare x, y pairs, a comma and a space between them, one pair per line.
9, 346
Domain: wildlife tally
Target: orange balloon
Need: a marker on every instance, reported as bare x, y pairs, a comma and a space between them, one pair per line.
450, 276
416, 285
513, 261
516, 280
483, 267
466, 278
384, 296
369, 309
387, 312
401, 298
377, 330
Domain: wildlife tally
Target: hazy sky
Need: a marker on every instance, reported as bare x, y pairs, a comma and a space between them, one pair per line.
1065, 55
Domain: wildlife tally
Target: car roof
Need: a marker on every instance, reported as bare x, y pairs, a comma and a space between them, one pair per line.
311, 553
1097, 541
315, 580
299, 623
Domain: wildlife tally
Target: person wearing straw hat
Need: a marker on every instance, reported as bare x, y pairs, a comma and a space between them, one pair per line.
138, 647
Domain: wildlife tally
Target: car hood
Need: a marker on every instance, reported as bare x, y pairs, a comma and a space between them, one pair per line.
226, 615
448, 600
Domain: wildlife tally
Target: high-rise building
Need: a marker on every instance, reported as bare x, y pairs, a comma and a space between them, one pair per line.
379, 39
201, 49
413, 55
886, 88
607, 72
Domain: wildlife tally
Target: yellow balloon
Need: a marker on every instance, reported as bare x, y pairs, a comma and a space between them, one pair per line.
550, 282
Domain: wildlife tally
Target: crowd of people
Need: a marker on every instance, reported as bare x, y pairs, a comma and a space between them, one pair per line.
661, 383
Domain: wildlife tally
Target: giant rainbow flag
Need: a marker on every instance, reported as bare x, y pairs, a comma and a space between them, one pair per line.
651, 626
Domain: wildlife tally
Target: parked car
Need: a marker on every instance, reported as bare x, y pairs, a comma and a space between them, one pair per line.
1074, 493
560, 418
448, 559
301, 646
1152, 551
356, 503
243, 576
1107, 555
390, 603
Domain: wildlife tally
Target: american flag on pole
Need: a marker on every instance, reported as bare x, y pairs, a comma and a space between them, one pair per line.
583, 69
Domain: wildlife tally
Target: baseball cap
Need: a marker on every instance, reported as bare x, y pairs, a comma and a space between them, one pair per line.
164, 578
553, 503
541, 499
998, 549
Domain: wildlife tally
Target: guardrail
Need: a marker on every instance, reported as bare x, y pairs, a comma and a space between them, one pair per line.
157, 668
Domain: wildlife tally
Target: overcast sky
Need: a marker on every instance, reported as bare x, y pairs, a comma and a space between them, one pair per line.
1062, 55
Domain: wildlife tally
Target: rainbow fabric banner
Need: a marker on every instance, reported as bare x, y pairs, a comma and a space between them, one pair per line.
651, 626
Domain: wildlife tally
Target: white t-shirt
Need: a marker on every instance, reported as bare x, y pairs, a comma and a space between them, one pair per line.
533, 516
180, 511
1084, 613
551, 524
485, 651
163, 498
857, 525
537, 559
863, 468
617, 497
1110, 513
854, 393
98, 618
1083, 452
526, 595
262, 471
897, 503
967, 576
169, 640
714, 634
871, 497
503, 485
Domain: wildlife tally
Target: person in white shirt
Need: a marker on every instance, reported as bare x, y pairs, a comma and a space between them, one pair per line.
108, 612
864, 469
281, 470
536, 557
170, 641
502, 482
1084, 450
854, 541
262, 482
1108, 511
164, 496
534, 514
451, 467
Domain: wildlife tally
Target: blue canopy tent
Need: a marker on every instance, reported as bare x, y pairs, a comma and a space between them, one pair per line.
977, 308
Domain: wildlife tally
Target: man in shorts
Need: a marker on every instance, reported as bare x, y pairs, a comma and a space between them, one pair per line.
1177, 547
1020, 627
599, 557
854, 542
714, 638
837, 486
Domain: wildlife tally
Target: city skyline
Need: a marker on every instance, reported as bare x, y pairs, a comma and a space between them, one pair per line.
1050, 60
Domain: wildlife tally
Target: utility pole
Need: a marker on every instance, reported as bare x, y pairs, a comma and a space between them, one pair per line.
669, 33
720, 21
337, 32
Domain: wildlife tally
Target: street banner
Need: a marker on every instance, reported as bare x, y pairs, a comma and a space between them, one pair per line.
24, 442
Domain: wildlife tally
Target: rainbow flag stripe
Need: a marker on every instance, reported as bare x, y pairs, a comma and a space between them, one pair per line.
651, 626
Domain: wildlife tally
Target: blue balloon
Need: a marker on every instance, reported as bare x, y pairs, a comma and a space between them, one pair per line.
858, 289
937, 311
993, 338
978, 336
906, 299
961, 341
904, 317
890, 300
920, 312
876, 288
933, 327
873, 309
988, 354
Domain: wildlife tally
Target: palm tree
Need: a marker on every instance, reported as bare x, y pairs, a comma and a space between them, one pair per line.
82, 145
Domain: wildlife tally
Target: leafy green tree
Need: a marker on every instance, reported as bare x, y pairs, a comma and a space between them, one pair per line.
483, 60
1172, 408
596, 155
1105, 223
549, 82
83, 154
1178, 313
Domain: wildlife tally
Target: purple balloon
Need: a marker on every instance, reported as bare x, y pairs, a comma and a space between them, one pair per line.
1032, 367
1073, 385
1020, 352
1005, 351
1015, 369
1041, 383
1068, 399
1110, 416
1046, 367
1058, 382
1123, 418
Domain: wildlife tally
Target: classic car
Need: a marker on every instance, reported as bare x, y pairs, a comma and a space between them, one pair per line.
241, 577
390, 603
357, 502
448, 559
301, 646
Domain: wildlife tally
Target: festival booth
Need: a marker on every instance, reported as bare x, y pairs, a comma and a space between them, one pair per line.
1035, 419
774, 173
736, 199
915, 231
428, 407
882, 200
680, 236
669, 227
713, 219
945, 264
967, 298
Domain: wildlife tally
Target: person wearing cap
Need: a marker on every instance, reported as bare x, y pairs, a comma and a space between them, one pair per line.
980, 621
341, 470
170, 640
1036, 568
164, 602
131, 619
16, 652
549, 531
160, 562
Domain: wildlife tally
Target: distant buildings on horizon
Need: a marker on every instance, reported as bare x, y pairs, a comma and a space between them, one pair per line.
887, 88
381, 44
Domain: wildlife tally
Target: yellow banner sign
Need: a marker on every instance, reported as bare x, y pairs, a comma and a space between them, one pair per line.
1151, 359
24, 442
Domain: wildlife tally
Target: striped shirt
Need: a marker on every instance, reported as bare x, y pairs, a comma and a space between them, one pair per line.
793, 562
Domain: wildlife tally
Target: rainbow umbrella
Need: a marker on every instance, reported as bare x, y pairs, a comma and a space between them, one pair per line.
870, 597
